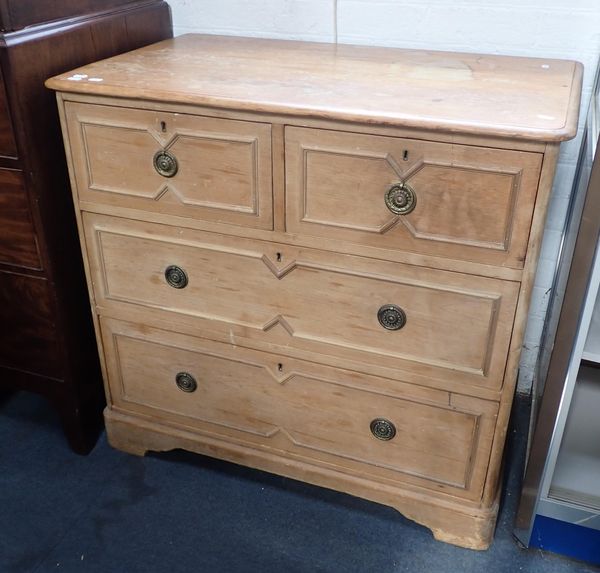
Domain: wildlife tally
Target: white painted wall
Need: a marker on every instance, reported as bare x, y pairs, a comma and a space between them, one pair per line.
543, 28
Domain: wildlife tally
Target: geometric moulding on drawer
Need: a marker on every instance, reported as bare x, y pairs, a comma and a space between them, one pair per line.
428, 197
214, 172
456, 204
168, 163
463, 205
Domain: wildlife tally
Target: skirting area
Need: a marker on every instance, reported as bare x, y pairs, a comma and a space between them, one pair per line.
180, 512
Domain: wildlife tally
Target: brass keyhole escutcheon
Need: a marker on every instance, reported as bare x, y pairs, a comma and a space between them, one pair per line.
186, 382
391, 317
176, 277
400, 199
165, 163
383, 429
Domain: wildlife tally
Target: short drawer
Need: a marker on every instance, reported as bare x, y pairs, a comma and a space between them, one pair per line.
28, 337
171, 163
381, 430
431, 322
8, 146
457, 201
18, 243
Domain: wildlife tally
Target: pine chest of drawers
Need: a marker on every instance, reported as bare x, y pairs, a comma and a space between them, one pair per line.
316, 259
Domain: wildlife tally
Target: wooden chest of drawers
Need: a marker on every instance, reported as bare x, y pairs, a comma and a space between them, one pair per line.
317, 260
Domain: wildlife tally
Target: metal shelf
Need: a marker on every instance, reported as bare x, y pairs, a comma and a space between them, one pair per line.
576, 477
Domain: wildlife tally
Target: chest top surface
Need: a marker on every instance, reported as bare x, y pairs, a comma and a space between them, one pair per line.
528, 98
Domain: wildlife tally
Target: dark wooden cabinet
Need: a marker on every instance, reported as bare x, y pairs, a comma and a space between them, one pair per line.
18, 14
47, 343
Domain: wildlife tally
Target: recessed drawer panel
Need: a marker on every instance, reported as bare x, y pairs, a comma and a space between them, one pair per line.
455, 201
18, 244
358, 424
438, 323
177, 164
8, 147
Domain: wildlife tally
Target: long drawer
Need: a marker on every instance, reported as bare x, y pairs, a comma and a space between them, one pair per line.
185, 165
433, 323
458, 201
383, 430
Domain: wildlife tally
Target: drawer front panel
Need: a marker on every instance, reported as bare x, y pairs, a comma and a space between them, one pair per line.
18, 244
8, 147
467, 202
177, 164
456, 325
321, 414
28, 337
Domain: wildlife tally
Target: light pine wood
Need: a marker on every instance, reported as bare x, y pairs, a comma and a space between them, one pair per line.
339, 245
471, 93
452, 520
386, 369
458, 326
224, 166
480, 140
512, 365
318, 414
278, 320
471, 203
300, 241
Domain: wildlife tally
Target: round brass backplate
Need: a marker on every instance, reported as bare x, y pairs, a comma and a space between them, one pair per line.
400, 199
391, 317
383, 429
186, 382
165, 163
176, 277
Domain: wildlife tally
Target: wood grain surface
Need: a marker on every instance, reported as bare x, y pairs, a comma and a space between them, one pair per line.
472, 202
457, 326
278, 322
223, 166
18, 242
17, 14
307, 410
28, 337
8, 146
471, 93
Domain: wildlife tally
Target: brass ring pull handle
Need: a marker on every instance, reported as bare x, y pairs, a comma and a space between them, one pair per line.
383, 429
186, 382
391, 317
176, 277
400, 199
165, 163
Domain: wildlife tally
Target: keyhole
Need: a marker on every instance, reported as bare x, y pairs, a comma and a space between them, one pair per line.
405, 155
278, 257
163, 126
280, 367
